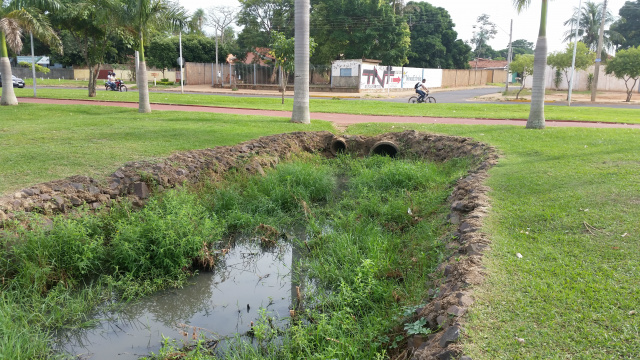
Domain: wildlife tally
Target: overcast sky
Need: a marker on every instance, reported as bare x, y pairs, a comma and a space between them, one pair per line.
465, 12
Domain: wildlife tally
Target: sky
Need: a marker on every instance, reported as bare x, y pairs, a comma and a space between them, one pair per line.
465, 12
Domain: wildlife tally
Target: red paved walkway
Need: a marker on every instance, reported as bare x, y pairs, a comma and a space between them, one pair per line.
338, 119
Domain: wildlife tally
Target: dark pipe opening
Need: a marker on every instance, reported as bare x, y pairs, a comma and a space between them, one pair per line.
338, 146
384, 148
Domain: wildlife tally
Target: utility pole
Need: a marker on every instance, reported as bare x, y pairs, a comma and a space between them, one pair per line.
509, 56
575, 49
596, 71
217, 71
33, 65
181, 65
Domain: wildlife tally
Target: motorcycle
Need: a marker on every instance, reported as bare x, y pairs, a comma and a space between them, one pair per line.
120, 86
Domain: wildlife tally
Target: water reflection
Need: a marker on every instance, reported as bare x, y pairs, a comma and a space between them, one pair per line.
219, 303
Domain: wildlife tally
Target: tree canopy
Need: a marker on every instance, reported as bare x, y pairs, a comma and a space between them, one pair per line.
628, 26
626, 66
434, 42
562, 60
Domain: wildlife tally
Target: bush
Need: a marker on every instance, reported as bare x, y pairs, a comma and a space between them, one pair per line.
39, 68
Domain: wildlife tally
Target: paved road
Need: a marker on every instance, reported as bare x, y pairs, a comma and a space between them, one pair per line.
453, 96
340, 120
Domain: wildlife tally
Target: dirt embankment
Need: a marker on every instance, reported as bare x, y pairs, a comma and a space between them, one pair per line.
469, 204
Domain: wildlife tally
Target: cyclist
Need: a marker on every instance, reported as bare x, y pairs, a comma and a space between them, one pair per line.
421, 89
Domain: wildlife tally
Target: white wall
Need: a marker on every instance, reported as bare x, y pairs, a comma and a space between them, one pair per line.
605, 82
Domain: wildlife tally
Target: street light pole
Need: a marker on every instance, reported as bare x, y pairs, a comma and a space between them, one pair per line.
181, 64
596, 71
575, 49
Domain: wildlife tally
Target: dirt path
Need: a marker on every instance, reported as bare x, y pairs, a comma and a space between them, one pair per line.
340, 120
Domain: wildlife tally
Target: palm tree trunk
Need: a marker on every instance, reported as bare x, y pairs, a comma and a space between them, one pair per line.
536, 114
300, 112
8, 95
143, 84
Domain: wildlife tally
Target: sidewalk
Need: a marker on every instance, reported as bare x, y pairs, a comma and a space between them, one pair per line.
340, 120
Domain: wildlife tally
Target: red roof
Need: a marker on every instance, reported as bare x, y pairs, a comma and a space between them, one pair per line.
258, 56
488, 64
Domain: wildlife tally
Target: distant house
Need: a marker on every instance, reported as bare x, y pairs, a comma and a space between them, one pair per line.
260, 56
488, 64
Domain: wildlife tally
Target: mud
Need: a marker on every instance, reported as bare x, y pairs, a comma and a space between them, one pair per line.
469, 203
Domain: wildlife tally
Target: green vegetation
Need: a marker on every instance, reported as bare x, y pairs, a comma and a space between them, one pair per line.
354, 308
567, 200
360, 107
94, 141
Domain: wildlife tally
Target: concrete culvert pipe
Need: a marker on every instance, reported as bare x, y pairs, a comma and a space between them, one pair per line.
384, 148
338, 146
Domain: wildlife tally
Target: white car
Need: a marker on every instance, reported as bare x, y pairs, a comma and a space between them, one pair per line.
17, 82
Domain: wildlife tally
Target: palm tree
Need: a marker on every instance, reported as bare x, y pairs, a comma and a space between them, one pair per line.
137, 17
536, 114
300, 112
590, 17
17, 16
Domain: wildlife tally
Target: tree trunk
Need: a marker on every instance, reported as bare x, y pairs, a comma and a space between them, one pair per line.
300, 112
143, 89
93, 79
283, 85
536, 114
8, 95
143, 83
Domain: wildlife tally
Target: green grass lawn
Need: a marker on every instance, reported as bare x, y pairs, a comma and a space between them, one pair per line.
366, 107
567, 199
92, 140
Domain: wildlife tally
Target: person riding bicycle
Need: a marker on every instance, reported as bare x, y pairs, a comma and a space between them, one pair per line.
422, 90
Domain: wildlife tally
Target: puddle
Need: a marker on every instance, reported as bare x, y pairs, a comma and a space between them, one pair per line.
218, 304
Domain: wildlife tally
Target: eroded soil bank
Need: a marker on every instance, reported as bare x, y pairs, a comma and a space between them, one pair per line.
469, 205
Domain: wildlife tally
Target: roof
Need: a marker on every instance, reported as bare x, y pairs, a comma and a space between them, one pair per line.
258, 56
40, 60
488, 64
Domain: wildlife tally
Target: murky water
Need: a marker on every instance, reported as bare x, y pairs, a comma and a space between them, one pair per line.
218, 304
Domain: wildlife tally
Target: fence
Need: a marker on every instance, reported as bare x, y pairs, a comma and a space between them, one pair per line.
605, 82
248, 74
459, 78
55, 73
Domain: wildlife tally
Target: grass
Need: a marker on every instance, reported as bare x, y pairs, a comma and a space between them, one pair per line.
353, 309
567, 200
364, 107
90, 140
571, 295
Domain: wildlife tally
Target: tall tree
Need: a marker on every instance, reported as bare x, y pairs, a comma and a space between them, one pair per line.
590, 18
260, 18
434, 43
89, 24
485, 31
357, 29
221, 17
628, 26
196, 22
536, 114
17, 16
139, 17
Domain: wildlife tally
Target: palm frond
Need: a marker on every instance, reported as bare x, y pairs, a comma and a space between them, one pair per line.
521, 4
44, 5
32, 20
13, 33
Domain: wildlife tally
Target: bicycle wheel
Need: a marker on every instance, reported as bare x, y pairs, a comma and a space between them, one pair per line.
431, 99
124, 88
413, 100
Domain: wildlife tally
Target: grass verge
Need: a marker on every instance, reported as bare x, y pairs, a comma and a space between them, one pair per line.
364, 107
42, 142
567, 200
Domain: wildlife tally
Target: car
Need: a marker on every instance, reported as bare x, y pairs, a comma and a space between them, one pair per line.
17, 82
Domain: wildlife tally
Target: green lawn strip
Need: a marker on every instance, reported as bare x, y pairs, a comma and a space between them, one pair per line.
40, 143
567, 200
360, 107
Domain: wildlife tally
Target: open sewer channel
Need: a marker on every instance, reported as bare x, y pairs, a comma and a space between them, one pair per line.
217, 304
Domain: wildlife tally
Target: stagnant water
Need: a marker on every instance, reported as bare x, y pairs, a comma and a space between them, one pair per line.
218, 304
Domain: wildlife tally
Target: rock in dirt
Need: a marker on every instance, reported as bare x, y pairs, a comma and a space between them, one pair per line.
450, 336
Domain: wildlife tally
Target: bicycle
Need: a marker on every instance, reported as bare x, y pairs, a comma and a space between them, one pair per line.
416, 99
